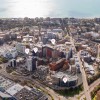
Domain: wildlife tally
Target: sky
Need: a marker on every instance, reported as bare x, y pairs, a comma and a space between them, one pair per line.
51, 8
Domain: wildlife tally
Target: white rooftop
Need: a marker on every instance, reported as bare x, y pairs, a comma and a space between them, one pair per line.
14, 89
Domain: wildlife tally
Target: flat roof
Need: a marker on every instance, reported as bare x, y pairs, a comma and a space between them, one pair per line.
68, 76
14, 89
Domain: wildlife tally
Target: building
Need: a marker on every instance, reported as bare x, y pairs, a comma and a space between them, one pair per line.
42, 70
10, 53
5, 84
19, 38
28, 38
45, 40
7, 54
31, 63
89, 68
47, 51
57, 65
26, 93
13, 36
14, 89
14, 52
69, 54
12, 63
9, 90
5, 96
20, 47
64, 80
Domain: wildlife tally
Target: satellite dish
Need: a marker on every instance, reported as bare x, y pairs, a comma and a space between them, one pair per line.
35, 50
65, 79
53, 41
27, 51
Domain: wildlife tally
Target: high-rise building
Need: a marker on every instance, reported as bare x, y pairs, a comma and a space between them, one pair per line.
45, 40
31, 63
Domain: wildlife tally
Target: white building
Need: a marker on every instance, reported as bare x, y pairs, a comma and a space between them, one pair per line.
29, 63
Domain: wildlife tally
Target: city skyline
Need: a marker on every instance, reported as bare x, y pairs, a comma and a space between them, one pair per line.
49, 50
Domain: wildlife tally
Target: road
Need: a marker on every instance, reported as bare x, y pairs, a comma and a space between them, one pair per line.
85, 83
50, 93
91, 88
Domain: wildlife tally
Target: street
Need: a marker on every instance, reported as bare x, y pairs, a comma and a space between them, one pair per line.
91, 88
85, 83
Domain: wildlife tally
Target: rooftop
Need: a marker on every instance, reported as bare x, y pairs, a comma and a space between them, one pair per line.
26, 94
69, 76
14, 89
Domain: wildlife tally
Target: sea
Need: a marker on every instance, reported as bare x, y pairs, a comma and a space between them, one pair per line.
49, 8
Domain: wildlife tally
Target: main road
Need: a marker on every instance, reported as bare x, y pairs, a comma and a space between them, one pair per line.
91, 88
84, 78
